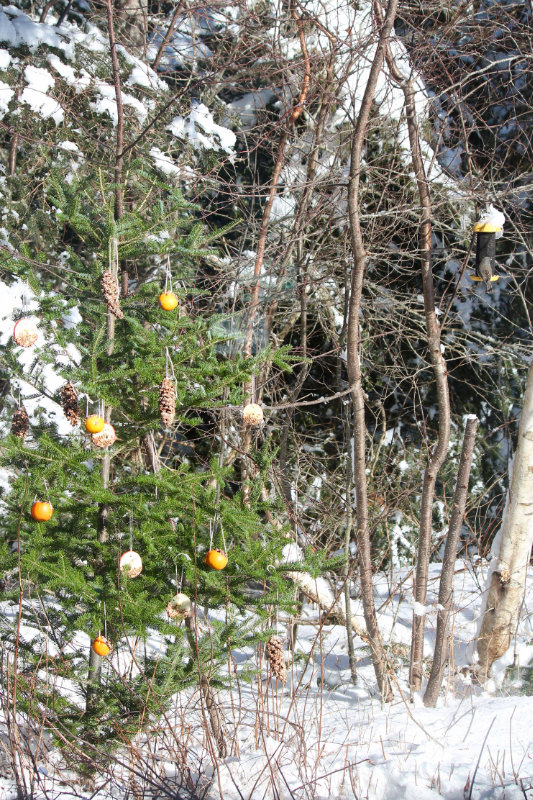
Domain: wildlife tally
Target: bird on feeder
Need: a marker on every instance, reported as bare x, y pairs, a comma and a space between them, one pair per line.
487, 229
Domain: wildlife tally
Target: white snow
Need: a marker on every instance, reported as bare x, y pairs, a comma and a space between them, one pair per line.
200, 129
319, 736
5, 59
35, 94
6, 93
106, 103
142, 75
163, 162
493, 217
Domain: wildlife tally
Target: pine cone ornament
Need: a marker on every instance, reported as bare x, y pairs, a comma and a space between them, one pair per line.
69, 399
167, 402
110, 293
20, 423
276, 658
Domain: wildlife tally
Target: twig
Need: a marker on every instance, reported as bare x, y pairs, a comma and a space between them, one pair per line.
479, 759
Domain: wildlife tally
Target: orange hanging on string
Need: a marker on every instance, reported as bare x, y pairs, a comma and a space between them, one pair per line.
216, 559
101, 646
168, 301
94, 423
42, 510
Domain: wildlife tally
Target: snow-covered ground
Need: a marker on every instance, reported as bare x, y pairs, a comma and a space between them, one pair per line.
319, 736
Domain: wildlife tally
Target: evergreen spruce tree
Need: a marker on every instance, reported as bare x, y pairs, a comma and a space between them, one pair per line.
166, 495
166, 488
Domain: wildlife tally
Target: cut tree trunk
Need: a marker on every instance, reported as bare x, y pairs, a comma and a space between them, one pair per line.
511, 549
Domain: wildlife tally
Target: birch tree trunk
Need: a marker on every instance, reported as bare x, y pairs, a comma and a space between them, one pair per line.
511, 550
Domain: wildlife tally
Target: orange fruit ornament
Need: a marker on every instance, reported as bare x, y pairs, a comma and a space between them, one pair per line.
101, 646
94, 424
216, 559
41, 511
168, 301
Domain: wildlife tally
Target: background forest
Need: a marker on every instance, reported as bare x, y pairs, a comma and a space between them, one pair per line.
241, 237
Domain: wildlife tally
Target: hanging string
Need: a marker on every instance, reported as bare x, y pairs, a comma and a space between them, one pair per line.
223, 538
152, 456
179, 583
86, 405
253, 389
47, 491
168, 276
169, 366
113, 257
105, 621
210, 534
131, 530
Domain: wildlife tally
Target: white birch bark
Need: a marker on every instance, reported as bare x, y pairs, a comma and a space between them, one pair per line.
511, 550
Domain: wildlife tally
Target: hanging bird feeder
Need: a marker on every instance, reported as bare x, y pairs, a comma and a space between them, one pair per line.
130, 563
179, 607
487, 229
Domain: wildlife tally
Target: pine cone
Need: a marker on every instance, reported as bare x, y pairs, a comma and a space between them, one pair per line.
110, 293
69, 398
276, 658
20, 423
167, 402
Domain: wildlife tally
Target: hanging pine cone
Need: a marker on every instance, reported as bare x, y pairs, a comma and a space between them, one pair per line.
167, 402
110, 293
69, 398
276, 658
20, 423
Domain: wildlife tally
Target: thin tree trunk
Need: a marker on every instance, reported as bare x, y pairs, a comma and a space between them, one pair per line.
216, 719
440, 450
353, 362
347, 542
119, 140
95, 661
168, 34
246, 440
511, 549
448, 564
